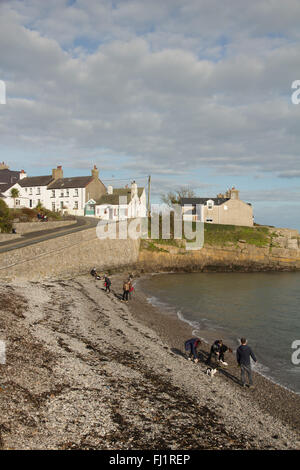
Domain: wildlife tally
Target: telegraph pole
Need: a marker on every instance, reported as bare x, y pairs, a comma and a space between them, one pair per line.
149, 184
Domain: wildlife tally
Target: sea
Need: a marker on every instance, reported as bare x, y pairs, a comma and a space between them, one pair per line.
263, 307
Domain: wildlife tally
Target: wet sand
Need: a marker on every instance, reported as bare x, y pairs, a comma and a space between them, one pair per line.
87, 371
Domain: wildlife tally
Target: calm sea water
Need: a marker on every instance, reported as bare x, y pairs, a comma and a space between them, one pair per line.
264, 307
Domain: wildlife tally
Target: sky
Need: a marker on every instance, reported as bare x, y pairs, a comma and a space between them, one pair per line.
195, 93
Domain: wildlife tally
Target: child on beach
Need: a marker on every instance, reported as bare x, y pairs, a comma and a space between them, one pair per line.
126, 288
107, 283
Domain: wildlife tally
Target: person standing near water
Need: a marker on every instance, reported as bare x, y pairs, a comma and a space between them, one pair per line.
243, 354
191, 346
107, 283
126, 287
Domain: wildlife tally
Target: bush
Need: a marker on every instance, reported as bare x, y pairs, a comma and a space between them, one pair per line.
5, 218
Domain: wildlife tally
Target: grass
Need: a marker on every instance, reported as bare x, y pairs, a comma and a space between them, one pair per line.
220, 235
223, 235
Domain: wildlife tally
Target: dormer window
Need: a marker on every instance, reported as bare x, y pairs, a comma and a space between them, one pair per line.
210, 204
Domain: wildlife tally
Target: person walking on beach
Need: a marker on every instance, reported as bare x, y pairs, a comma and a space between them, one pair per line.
243, 354
126, 287
131, 288
107, 283
191, 345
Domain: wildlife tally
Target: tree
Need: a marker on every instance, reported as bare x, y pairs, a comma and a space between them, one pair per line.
173, 197
5, 218
14, 193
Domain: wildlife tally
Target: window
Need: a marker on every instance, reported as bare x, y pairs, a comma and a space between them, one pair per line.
53, 206
61, 193
76, 205
38, 191
210, 204
76, 192
30, 190
53, 193
67, 192
61, 204
17, 202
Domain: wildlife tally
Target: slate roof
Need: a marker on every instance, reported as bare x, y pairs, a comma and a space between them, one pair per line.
5, 186
9, 177
113, 199
74, 182
202, 200
32, 181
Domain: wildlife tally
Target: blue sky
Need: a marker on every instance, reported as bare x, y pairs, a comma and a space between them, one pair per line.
163, 88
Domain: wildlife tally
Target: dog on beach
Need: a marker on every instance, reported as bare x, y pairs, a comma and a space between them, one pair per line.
211, 372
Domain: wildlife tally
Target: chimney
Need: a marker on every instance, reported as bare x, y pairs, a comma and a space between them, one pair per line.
134, 189
3, 166
23, 174
234, 193
57, 173
95, 172
110, 189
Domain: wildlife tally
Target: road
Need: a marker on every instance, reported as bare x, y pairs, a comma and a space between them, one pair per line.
82, 223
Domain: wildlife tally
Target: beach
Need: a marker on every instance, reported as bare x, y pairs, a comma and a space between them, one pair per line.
87, 371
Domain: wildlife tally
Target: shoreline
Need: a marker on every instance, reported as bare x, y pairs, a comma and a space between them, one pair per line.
87, 371
270, 395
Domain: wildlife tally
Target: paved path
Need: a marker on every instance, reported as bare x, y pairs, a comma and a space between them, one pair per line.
81, 223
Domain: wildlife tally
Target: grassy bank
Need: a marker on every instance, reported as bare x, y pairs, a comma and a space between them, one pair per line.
216, 235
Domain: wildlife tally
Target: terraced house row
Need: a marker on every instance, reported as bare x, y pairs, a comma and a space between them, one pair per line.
79, 195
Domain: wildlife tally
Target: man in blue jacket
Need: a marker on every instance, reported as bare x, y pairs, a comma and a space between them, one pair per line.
243, 354
191, 346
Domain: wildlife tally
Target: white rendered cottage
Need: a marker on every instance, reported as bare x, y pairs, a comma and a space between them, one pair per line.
56, 193
122, 203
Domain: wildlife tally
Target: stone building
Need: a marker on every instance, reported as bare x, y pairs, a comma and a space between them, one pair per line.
226, 208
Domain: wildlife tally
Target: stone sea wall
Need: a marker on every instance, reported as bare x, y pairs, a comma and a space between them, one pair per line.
67, 256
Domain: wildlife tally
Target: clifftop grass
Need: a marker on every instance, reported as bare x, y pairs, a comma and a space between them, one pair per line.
219, 235
223, 235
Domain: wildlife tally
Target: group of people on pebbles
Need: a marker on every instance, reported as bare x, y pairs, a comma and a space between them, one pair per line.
216, 357
128, 287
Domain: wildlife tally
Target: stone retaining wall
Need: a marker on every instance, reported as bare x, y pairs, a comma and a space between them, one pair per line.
68, 255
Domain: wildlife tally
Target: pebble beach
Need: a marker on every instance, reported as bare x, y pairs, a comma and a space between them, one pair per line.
85, 370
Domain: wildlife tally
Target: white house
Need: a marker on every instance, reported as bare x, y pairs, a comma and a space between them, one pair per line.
122, 203
56, 193
11, 180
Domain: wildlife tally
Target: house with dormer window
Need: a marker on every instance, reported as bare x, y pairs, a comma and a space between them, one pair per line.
226, 208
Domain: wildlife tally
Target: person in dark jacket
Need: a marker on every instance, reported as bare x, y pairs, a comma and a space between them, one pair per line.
191, 345
243, 354
107, 283
215, 351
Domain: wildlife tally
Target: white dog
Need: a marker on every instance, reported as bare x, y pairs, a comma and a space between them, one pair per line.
211, 372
